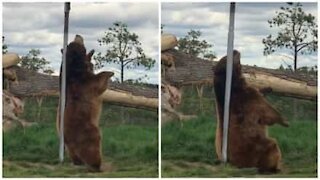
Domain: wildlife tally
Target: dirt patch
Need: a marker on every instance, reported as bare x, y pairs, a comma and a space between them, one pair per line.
183, 165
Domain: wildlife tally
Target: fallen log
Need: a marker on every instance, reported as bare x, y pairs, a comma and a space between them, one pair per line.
192, 70
168, 41
126, 99
10, 59
31, 84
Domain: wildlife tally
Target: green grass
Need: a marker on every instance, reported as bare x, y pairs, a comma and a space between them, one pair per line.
129, 147
193, 142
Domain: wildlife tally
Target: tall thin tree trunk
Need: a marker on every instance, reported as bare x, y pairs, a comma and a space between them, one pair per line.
295, 58
122, 68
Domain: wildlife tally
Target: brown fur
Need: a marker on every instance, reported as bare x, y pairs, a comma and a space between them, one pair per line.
83, 107
248, 141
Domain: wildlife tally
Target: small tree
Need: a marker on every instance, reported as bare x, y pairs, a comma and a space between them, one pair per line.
33, 62
4, 46
124, 48
297, 32
191, 44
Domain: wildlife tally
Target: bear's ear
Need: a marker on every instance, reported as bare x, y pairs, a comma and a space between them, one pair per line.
90, 54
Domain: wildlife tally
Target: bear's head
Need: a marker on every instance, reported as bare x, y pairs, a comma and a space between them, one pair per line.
78, 63
220, 68
220, 76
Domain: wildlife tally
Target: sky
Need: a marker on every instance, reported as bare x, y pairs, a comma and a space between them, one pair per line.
251, 26
40, 26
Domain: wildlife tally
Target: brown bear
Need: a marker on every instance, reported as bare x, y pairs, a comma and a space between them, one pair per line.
248, 141
83, 106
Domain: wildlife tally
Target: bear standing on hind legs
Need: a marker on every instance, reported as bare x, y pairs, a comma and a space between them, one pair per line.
83, 106
250, 114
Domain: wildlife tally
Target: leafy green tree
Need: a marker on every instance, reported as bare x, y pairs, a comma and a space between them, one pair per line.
191, 44
297, 31
124, 48
34, 62
4, 46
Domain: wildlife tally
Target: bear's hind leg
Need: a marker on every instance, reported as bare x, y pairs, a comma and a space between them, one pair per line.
270, 159
74, 157
89, 149
91, 155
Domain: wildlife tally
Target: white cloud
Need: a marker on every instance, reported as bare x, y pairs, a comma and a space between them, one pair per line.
194, 17
35, 38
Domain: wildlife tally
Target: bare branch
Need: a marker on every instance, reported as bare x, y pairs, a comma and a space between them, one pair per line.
127, 61
303, 45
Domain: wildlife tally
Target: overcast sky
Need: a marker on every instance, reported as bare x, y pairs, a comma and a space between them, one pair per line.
251, 26
40, 26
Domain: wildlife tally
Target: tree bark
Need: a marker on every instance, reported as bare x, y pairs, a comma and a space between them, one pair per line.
192, 70
31, 83
122, 68
295, 58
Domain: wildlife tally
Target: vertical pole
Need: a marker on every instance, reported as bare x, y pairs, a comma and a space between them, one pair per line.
228, 83
63, 79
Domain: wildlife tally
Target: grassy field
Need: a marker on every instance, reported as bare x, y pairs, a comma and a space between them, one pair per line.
130, 145
130, 142
189, 151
